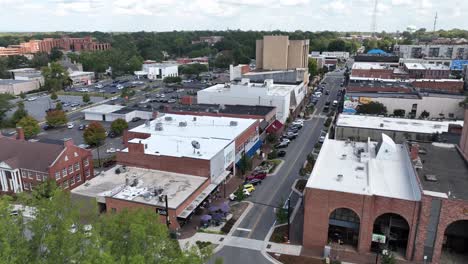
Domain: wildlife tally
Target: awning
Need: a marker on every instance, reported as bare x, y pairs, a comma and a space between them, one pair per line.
198, 200
274, 127
263, 124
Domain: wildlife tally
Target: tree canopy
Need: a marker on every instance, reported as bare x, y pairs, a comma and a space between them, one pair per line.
118, 126
56, 117
30, 126
372, 108
55, 77
94, 134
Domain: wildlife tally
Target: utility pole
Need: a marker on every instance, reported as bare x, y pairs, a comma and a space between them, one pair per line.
168, 221
289, 205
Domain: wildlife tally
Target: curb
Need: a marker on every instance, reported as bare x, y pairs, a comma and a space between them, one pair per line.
277, 168
296, 190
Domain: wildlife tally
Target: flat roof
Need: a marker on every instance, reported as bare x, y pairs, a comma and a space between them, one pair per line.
449, 168
259, 110
11, 81
273, 90
177, 187
161, 65
370, 168
79, 73
395, 124
103, 109
370, 65
414, 66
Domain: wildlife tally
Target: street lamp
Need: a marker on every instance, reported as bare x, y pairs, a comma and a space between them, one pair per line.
425, 259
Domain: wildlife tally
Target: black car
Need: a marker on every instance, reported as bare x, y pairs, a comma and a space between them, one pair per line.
281, 153
112, 134
327, 103
327, 92
293, 129
47, 127
82, 127
136, 119
253, 182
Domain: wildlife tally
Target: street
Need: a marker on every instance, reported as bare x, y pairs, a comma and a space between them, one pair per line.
275, 190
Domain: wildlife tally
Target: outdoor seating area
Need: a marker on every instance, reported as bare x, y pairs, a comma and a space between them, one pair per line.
215, 216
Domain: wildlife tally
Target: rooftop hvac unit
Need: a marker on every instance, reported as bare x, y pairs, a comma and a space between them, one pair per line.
168, 118
158, 126
233, 123
183, 124
147, 123
194, 118
339, 177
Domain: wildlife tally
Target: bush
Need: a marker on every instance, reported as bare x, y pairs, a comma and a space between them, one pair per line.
118, 126
172, 80
53, 96
328, 122
273, 154
271, 138
56, 118
227, 227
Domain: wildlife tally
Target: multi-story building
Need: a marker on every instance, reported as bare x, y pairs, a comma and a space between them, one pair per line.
410, 199
158, 71
16, 87
449, 51
426, 71
24, 165
173, 164
27, 74
210, 40
280, 53
287, 98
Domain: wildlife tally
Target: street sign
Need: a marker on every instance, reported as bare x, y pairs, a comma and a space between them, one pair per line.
161, 211
378, 238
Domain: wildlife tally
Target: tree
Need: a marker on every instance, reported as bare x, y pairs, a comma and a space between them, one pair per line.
55, 54
22, 95
56, 117
424, 114
55, 77
53, 96
19, 113
86, 98
14, 244
245, 164
30, 126
40, 59
170, 79
399, 112
313, 68
337, 45
58, 106
372, 108
223, 60
4, 74
45, 190
5, 106
118, 126
94, 134
281, 213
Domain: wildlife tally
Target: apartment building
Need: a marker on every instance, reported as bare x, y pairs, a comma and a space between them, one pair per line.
450, 51
281, 53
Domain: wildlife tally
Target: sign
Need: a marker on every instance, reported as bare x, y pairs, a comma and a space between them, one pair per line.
161, 211
465, 211
365, 100
378, 238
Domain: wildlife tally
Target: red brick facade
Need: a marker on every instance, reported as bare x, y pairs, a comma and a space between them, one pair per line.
441, 86
373, 73
319, 204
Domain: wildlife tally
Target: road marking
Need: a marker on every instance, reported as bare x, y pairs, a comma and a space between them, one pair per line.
244, 229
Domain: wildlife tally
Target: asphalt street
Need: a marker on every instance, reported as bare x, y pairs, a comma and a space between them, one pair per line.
275, 190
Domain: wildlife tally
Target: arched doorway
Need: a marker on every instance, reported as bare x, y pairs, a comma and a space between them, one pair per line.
343, 227
396, 231
455, 243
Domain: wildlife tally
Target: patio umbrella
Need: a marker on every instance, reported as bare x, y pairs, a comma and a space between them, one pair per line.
217, 217
224, 208
205, 218
213, 208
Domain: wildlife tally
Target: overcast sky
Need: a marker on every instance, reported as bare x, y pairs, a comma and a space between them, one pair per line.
289, 15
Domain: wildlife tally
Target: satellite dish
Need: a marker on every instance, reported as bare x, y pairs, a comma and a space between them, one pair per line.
195, 144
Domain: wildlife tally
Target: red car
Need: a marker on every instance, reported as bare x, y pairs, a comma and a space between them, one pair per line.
258, 175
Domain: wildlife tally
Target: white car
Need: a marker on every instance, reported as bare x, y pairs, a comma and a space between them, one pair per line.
322, 139
232, 196
32, 99
112, 150
99, 86
120, 87
70, 125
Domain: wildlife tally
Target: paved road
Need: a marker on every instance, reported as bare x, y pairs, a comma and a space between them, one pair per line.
276, 189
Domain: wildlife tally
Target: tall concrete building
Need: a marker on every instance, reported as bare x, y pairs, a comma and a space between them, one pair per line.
280, 53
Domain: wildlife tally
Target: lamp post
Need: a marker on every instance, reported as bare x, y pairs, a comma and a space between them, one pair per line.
168, 221
425, 259
289, 205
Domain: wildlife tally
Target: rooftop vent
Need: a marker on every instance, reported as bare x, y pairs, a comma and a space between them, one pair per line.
339, 177
381, 125
168, 118
183, 124
158, 126
194, 118
233, 123
147, 123
343, 156
430, 177
359, 168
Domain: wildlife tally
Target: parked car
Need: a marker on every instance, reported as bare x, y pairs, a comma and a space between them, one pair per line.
32, 99
327, 103
112, 134
47, 127
322, 139
136, 119
282, 144
70, 125
171, 101
327, 92
84, 146
335, 103
281, 153
82, 127
258, 175
112, 150
249, 187
254, 182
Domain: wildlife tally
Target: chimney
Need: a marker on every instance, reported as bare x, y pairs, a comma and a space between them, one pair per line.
68, 142
155, 115
414, 152
19, 133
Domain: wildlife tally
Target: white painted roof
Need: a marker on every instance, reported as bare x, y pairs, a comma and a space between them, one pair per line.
414, 66
79, 73
178, 187
273, 90
387, 173
370, 65
103, 109
395, 124
212, 133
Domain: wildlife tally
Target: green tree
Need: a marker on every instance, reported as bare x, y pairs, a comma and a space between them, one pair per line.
313, 68
170, 79
22, 95
53, 96
399, 112
86, 98
118, 126
40, 59
281, 213
5, 106
55, 77
424, 114
30, 126
17, 61
223, 60
4, 74
337, 45
13, 242
55, 54
58, 106
94, 134
245, 164
56, 117
372, 108
45, 190
19, 113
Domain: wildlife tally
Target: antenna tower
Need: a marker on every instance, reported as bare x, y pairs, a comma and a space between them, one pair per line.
435, 22
374, 19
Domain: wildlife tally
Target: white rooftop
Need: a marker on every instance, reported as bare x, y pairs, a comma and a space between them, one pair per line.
79, 73
395, 124
175, 134
414, 66
370, 65
366, 169
103, 109
178, 187
271, 89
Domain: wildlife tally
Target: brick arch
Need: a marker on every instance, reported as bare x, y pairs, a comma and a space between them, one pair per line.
395, 213
344, 207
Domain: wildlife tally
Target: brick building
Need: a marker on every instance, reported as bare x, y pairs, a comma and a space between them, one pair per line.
183, 157
427, 71
24, 165
408, 198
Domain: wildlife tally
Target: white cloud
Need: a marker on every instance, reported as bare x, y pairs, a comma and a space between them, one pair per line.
66, 7
141, 7
337, 6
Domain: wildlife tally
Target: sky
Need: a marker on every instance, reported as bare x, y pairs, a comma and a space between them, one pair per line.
288, 15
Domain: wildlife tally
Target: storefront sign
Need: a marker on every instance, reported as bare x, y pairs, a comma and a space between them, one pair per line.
378, 238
